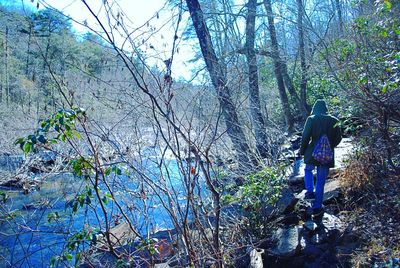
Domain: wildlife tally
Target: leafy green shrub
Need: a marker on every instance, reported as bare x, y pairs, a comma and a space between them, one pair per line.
260, 189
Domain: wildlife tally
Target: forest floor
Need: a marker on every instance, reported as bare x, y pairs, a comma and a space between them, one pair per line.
365, 201
373, 214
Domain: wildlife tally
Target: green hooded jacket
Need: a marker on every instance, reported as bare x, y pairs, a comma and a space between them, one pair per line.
318, 124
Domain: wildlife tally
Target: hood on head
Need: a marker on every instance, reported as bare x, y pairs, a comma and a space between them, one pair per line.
319, 107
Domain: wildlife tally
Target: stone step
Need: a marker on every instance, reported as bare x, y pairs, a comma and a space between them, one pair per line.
333, 172
296, 171
300, 238
331, 190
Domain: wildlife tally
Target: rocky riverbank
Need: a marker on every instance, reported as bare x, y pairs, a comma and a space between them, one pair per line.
355, 230
18, 172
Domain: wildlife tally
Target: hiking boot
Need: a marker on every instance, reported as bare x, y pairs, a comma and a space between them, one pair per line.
309, 196
316, 212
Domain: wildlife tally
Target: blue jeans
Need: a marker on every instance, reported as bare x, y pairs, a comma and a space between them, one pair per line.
322, 174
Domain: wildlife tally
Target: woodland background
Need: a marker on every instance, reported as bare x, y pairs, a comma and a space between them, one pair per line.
103, 110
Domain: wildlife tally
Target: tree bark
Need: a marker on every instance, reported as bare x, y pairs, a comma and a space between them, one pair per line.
303, 65
219, 82
28, 52
6, 76
277, 67
292, 91
218, 79
339, 14
254, 99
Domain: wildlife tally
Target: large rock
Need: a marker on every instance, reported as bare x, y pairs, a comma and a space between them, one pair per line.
289, 242
331, 190
287, 201
295, 173
298, 176
331, 222
20, 181
324, 230
342, 151
120, 234
284, 205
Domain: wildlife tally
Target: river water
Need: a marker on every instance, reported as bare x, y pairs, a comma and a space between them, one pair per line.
29, 239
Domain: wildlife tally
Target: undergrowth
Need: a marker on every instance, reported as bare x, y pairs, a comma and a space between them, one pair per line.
372, 200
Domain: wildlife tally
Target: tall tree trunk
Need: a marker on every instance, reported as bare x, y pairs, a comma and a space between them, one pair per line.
254, 99
292, 91
218, 79
44, 80
28, 52
6, 77
277, 67
303, 65
339, 14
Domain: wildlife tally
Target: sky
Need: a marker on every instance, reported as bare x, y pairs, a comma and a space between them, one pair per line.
151, 25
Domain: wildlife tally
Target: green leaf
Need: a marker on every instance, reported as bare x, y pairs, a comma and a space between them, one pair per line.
77, 135
388, 5
53, 261
32, 138
42, 139
49, 217
19, 141
117, 170
68, 256
78, 257
61, 120
104, 199
75, 207
27, 147
46, 128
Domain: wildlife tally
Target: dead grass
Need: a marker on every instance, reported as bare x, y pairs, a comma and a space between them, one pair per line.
363, 174
373, 203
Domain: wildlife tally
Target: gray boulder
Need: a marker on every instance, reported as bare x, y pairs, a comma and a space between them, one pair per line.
331, 190
289, 242
284, 205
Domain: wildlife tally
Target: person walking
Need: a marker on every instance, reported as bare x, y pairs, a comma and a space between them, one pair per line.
318, 125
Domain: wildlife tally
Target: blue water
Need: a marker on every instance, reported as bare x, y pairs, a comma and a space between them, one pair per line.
30, 240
